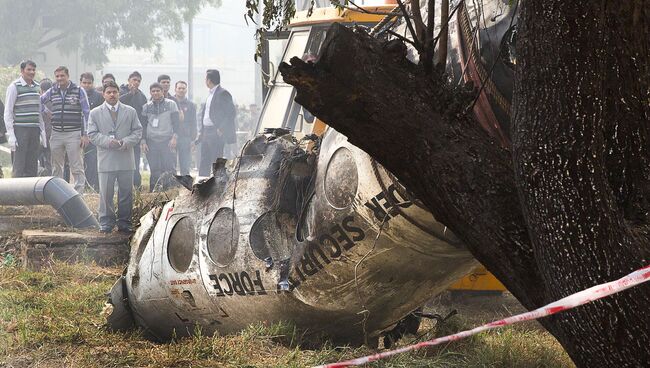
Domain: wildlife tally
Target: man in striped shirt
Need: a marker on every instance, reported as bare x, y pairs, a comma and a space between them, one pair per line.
24, 122
69, 114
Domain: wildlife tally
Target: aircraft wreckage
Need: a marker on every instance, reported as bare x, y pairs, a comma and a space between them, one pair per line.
302, 227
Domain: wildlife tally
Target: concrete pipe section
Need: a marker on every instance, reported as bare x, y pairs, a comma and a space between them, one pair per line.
50, 190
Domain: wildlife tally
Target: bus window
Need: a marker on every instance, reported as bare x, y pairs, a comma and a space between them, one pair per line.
275, 107
295, 47
280, 109
299, 120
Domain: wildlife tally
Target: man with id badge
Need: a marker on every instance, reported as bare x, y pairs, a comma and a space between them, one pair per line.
114, 129
160, 128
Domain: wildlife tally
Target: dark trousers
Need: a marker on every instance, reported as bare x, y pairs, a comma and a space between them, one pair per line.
45, 160
66, 168
184, 149
124, 199
25, 159
137, 178
162, 163
90, 166
211, 149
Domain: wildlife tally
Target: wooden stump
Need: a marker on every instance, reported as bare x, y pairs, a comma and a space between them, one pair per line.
39, 247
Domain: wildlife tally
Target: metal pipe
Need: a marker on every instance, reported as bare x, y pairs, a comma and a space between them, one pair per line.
50, 190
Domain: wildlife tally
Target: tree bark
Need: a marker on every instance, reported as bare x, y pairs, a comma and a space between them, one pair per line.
577, 149
626, 110
557, 226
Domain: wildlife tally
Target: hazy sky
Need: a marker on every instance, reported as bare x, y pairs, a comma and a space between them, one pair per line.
222, 40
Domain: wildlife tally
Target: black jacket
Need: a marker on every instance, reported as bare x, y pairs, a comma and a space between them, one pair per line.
222, 113
170, 97
136, 100
94, 98
187, 127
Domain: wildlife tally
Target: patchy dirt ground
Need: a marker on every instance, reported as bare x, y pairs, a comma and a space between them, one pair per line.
478, 308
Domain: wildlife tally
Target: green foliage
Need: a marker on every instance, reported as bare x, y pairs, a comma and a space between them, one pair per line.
9, 74
95, 26
275, 16
275, 13
8, 260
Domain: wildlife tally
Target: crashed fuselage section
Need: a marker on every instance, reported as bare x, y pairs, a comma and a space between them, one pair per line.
312, 233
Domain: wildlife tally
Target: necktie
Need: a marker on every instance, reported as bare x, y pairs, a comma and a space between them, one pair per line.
113, 114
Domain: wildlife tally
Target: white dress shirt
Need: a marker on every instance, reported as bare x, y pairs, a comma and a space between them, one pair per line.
110, 107
206, 115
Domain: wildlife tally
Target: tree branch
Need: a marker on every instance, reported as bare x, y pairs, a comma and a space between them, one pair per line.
420, 27
441, 59
431, 22
418, 45
446, 24
468, 182
401, 38
428, 43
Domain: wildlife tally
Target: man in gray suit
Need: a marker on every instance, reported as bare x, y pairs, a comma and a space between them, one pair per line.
114, 128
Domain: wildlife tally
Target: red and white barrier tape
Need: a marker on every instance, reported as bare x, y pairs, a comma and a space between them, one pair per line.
583, 297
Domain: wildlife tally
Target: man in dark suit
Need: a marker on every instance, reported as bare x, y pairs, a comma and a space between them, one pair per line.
216, 124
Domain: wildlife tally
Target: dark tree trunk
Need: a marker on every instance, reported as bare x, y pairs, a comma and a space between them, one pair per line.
580, 163
559, 225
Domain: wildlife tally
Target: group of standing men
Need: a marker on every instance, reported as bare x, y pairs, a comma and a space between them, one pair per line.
104, 131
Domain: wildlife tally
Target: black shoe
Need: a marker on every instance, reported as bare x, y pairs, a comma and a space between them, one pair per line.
105, 230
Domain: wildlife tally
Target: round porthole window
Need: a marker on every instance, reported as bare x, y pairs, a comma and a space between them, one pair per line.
272, 235
341, 179
180, 246
223, 237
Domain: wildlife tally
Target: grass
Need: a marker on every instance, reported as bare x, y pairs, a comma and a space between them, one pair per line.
53, 319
